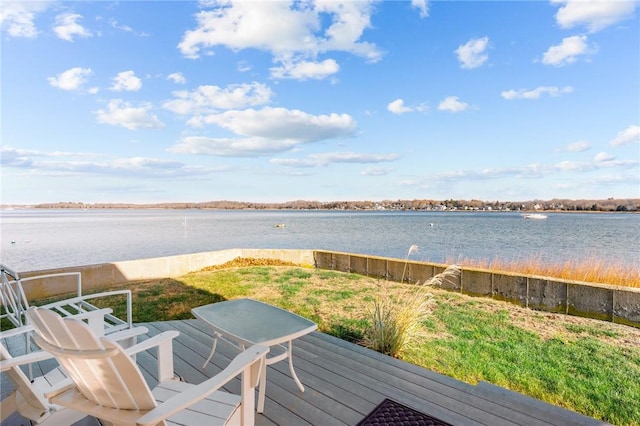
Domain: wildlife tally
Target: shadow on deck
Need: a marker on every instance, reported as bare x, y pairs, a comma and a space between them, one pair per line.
344, 382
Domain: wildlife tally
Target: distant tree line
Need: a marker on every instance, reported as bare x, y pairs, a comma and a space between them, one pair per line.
608, 205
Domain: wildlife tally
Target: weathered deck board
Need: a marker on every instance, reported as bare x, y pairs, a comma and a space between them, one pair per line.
418, 387
343, 382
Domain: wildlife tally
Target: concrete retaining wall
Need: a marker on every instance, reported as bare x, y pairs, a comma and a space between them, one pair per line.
604, 302
104, 275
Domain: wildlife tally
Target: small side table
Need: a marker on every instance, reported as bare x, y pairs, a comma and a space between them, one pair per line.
244, 322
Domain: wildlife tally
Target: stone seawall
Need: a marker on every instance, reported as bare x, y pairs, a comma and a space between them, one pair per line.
610, 303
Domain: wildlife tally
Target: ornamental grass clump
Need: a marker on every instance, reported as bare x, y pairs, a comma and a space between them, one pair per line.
395, 322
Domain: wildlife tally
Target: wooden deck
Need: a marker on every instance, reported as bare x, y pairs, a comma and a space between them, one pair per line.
344, 382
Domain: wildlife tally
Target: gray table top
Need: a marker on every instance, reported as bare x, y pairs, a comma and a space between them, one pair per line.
250, 321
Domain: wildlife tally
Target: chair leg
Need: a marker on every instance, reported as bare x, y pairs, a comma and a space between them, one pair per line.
262, 388
8, 406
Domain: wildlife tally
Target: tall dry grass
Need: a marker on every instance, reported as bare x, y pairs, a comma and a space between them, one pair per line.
395, 322
413, 249
591, 270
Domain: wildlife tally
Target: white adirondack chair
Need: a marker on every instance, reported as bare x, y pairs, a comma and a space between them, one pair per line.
107, 383
28, 395
15, 303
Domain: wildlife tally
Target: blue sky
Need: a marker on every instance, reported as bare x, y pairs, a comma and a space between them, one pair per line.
273, 101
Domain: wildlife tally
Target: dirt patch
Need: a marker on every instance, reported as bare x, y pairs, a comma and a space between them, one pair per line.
244, 262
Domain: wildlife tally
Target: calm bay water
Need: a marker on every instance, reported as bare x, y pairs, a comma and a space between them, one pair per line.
43, 239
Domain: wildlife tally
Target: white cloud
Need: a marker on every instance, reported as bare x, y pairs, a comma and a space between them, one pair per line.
627, 136
266, 131
292, 32
56, 163
594, 14
328, 158
26, 158
15, 157
536, 93
17, 18
115, 24
422, 6
398, 107
71, 79
613, 163
452, 104
243, 66
121, 113
602, 160
121, 27
177, 78
232, 147
155, 167
579, 146
617, 180
207, 99
585, 173
126, 80
568, 51
528, 171
473, 53
67, 27
348, 21
281, 123
264, 25
571, 166
602, 157
375, 171
304, 70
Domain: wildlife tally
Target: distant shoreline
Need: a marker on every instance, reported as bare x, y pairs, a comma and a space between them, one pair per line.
625, 205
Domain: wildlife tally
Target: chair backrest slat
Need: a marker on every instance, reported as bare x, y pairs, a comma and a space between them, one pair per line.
12, 297
100, 368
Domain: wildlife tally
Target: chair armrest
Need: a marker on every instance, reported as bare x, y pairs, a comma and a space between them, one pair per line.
157, 340
115, 293
128, 333
15, 331
106, 293
85, 315
85, 299
26, 359
197, 393
62, 386
164, 343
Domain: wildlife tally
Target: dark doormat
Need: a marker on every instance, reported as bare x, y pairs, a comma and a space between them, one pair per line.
392, 413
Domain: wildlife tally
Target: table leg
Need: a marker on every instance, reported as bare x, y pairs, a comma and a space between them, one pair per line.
293, 373
213, 348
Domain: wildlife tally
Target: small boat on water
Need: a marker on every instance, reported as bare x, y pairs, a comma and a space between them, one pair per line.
279, 225
534, 216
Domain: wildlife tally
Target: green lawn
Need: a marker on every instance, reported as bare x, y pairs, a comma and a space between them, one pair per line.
585, 365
